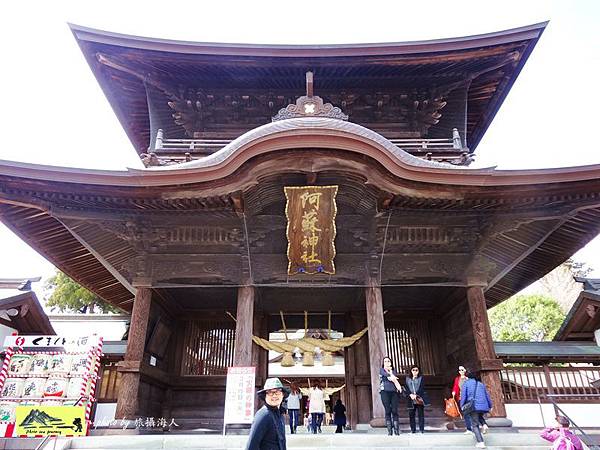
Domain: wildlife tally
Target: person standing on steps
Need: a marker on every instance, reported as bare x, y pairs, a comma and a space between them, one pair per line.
316, 407
389, 390
458, 382
293, 407
339, 416
268, 431
417, 398
476, 395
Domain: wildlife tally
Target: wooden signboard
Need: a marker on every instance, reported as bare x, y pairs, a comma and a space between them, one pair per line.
311, 211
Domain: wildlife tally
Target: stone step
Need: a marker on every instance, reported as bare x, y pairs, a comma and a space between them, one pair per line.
348, 441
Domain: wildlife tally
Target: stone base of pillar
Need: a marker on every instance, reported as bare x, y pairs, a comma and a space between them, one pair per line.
499, 422
377, 422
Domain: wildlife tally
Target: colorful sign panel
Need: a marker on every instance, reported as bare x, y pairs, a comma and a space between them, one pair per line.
311, 211
50, 420
239, 395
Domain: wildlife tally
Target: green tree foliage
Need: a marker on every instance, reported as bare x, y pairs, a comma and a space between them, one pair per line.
526, 318
68, 296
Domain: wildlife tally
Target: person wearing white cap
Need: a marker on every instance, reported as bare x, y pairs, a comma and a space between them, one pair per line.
267, 431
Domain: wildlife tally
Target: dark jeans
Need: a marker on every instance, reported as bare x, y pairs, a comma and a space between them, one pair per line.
476, 418
411, 415
468, 421
317, 420
390, 401
339, 429
293, 419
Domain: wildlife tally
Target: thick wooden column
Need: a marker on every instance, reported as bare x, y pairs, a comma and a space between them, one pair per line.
377, 350
127, 402
242, 355
489, 363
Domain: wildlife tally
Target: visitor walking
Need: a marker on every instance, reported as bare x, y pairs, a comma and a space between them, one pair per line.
458, 382
417, 398
268, 431
339, 416
389, 389
475, 396
316, 407
561, 437
293, 407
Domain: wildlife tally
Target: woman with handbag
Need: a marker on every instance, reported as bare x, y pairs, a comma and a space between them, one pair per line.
389, 388
417, 398
475, 401
458, 383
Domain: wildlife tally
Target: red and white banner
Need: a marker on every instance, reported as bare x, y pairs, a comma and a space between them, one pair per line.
239, 395
51, 341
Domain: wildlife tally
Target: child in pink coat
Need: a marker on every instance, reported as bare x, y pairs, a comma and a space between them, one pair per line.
561, 437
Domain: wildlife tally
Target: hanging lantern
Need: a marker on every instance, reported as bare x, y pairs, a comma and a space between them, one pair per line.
287, 360
327, 359
308, 359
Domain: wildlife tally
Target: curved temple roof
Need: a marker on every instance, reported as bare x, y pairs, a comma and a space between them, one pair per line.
470, 76
36, 200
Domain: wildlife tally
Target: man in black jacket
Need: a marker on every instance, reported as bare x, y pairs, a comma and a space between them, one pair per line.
268, 431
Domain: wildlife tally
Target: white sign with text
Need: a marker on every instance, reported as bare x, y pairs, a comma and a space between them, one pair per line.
239, 395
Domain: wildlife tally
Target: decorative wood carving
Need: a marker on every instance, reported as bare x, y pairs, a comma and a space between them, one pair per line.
153, 237
310, 107
443, 238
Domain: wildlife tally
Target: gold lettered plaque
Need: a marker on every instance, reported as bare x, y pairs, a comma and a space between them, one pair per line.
310, 212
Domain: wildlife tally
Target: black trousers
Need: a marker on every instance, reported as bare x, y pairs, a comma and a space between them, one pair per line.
390, 401
420, 409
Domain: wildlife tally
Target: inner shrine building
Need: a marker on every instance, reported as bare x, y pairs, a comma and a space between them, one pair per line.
406, 240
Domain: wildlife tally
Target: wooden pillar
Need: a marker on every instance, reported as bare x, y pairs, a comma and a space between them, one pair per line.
127, 402
242, 355
489, 364
377, 350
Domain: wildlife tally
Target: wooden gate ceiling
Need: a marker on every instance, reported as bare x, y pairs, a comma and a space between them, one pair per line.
229, 231
223, 90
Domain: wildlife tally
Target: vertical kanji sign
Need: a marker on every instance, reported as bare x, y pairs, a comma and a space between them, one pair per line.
310, 212
239, 395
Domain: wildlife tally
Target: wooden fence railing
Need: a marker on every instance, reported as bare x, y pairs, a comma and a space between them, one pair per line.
525, 384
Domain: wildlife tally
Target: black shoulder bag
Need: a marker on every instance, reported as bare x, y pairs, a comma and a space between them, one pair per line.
469, 405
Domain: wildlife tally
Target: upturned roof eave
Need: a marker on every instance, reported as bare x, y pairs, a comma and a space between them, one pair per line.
532, 31
157, 178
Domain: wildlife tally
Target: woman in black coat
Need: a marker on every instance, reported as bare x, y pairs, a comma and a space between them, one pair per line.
339, 416
268, 431
416, 399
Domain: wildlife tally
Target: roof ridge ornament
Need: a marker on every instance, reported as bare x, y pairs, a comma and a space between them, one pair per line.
309, 105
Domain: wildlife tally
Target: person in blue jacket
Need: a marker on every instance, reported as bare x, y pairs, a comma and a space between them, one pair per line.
267, 431
474, 389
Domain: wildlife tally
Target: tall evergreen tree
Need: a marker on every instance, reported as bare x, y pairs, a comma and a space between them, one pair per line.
67, 295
